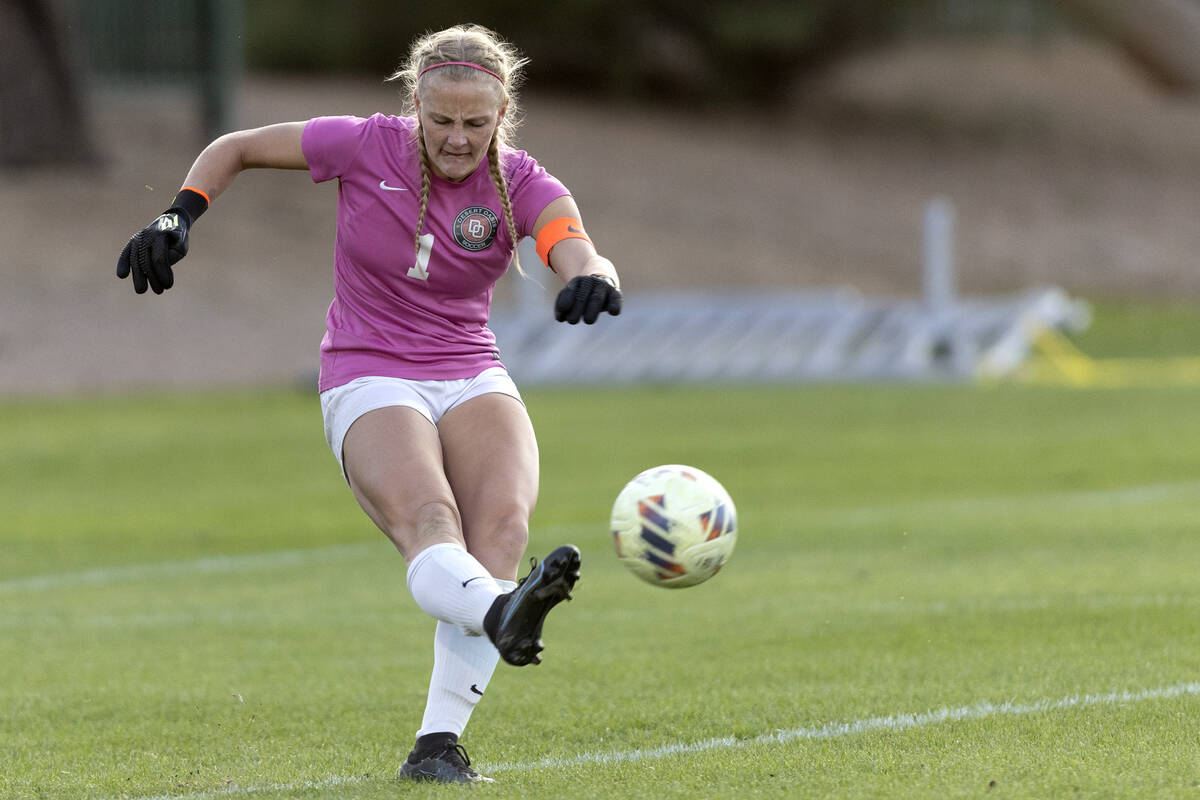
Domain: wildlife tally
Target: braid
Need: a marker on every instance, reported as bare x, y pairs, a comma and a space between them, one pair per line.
493, 155
476, 45
424, 190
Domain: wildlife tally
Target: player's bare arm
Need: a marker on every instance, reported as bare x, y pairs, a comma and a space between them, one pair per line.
272, 146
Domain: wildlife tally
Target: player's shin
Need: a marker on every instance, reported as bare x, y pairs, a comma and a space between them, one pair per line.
462, 668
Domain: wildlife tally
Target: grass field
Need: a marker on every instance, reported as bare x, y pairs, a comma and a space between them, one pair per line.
938, 592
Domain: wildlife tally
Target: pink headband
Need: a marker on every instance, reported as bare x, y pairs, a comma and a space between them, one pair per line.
460, 64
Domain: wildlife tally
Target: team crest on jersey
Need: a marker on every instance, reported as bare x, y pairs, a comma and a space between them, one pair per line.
475, 228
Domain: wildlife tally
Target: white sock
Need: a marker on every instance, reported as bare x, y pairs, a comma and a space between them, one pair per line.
450, 585
462, 667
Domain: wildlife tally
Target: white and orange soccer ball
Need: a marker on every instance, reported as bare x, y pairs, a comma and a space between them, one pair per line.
674, 526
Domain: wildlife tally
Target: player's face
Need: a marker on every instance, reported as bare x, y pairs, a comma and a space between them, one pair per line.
458, 118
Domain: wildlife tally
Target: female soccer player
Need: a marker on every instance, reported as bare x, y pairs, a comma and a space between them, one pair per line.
426, 423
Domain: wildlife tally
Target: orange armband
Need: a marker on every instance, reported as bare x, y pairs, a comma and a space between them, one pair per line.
554, 232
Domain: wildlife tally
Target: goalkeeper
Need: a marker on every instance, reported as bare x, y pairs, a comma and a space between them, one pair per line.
424, 420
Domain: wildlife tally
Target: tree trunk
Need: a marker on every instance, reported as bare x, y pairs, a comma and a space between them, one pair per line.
42, 120
1162, 36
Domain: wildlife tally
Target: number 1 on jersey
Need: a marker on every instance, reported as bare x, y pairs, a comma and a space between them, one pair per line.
420, 270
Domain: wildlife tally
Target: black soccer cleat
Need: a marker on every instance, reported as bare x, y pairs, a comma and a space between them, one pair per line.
514, 622
439, 758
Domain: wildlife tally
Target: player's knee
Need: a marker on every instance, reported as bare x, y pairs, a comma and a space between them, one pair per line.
506, 532
512, 540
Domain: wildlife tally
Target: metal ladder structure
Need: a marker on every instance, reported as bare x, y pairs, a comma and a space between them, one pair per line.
790, 336
781, 337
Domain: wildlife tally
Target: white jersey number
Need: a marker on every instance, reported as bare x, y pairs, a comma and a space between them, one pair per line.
420, 270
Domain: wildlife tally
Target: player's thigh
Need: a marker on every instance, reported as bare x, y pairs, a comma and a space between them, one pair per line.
491, 460
393, 460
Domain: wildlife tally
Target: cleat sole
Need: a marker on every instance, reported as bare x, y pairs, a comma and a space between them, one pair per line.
522, 645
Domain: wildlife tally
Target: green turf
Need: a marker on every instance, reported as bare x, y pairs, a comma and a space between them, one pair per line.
1125, 328
192, 605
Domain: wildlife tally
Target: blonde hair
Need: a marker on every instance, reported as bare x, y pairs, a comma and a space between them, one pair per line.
459, 47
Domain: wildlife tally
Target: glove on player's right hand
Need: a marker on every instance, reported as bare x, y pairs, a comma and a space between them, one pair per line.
151, 252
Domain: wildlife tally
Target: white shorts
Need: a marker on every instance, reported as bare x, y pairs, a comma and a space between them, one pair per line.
342, 405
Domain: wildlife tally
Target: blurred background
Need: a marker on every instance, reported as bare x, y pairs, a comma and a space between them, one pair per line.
767, 156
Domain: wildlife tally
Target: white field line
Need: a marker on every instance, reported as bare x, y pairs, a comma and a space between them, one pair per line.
835, 730
832, 730
210, 565
1008, 505
1130, 495
201, 566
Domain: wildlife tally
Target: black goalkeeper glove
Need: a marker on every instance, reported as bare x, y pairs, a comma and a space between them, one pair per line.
585, 296
151, 252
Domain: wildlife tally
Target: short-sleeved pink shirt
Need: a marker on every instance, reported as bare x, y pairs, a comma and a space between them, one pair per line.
394, 314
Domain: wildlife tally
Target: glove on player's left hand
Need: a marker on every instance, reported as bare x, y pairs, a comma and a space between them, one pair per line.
151, 252
584, 297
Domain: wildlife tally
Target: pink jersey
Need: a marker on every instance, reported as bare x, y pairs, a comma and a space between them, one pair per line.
394, 314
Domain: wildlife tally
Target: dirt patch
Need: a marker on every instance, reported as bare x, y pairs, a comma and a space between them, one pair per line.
1065, 169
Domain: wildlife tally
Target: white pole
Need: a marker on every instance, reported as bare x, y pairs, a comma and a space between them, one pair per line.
938, 253
531, 290
951, 348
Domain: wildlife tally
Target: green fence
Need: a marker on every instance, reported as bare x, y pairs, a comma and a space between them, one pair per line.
193, 44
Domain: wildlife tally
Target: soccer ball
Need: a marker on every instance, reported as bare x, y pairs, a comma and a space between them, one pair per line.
674, 526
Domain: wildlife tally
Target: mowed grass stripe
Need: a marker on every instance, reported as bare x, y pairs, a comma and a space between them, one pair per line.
283, 559
56, 621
